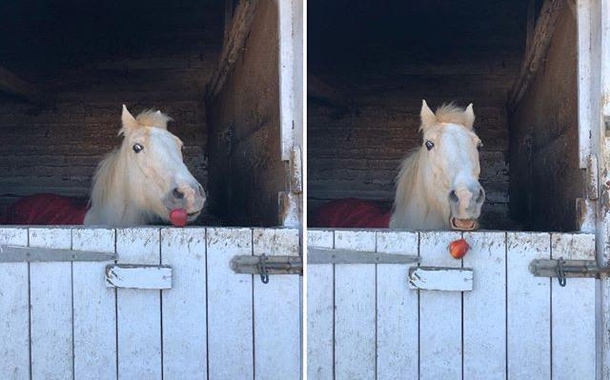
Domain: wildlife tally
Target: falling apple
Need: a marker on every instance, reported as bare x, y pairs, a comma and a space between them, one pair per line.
178, 217
459, 248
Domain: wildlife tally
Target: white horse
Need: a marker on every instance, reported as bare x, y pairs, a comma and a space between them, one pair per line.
145, 179
438, 184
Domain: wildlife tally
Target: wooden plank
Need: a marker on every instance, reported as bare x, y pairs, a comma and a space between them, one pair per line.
185, 306
14, 309
440, 314
573, 312
138, 311
51, 308
441, 279
230, 337
320, 310
528, 314
397, 310
277, 310
139, 276
94, 308
543, 32
484, 309
355, 309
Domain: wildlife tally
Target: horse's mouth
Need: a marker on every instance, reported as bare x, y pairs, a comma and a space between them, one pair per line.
464, 224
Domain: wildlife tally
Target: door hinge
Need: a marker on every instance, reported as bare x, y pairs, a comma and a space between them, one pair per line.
562, 269
266, 265
12, 254
344, 256
592, 180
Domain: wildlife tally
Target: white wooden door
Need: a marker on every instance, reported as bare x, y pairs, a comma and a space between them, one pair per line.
364, 321
61, 321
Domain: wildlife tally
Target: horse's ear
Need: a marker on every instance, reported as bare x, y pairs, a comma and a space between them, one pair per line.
427, 116
129, 122
469, 116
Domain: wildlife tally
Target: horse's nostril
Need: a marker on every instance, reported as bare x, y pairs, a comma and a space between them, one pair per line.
481, 196
177, 194
453, 196
200, 189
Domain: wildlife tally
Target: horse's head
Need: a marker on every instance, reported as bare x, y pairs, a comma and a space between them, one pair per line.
450, 146
159, 179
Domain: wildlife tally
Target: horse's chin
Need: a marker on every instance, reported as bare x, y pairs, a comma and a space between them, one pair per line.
464, 224
191, 217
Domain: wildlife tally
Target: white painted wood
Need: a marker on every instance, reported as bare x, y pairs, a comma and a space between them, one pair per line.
529, 307
14, 330
139, 311
441, 279
485, 307
230, 339
139, 277
573, 312
277, 308
440, 314
51, 308
320, 305
184, 307
587, 110
397, 310
355, 309
94, 308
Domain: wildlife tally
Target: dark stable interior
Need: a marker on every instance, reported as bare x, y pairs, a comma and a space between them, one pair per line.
371, 64
85, 60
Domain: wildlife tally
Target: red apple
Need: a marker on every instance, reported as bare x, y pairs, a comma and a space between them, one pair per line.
178, 217
458, 248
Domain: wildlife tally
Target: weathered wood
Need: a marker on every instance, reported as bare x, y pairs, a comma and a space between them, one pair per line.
127, 276
138, 312
14, 85
441, 279
51, 308
276, 308
14, 308
320, 310
318, 89
230, 328
355, 310
538, 48
185, 306
94, 307
484, 308
440, 314
342, 256
573, 312
528, 316
397, 310
233, 44
36, 254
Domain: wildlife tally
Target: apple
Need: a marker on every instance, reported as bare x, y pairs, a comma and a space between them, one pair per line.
459, 248
178, 217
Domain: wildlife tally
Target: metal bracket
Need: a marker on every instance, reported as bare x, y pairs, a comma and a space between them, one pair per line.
19, 254
340, 256
563, 269
266, 265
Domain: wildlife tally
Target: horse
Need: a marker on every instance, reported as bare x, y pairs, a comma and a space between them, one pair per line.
437, 187
140, 182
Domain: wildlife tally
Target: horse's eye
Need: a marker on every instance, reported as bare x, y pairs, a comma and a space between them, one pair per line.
429, 145
137, 148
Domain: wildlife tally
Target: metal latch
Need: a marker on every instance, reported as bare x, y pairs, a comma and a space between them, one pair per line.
265, 265
563, 269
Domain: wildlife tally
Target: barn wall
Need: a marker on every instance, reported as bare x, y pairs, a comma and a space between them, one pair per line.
246, 171
355, 151
154, 55
545, 179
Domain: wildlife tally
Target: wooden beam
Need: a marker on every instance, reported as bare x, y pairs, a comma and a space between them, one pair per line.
234, 42
318, 89
537, 50
12, 84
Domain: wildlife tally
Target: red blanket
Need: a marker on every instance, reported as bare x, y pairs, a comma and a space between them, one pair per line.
352, 213
46, 209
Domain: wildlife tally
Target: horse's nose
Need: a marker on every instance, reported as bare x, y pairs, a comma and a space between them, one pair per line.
474, 194
177, 193
200, 190
480, 195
